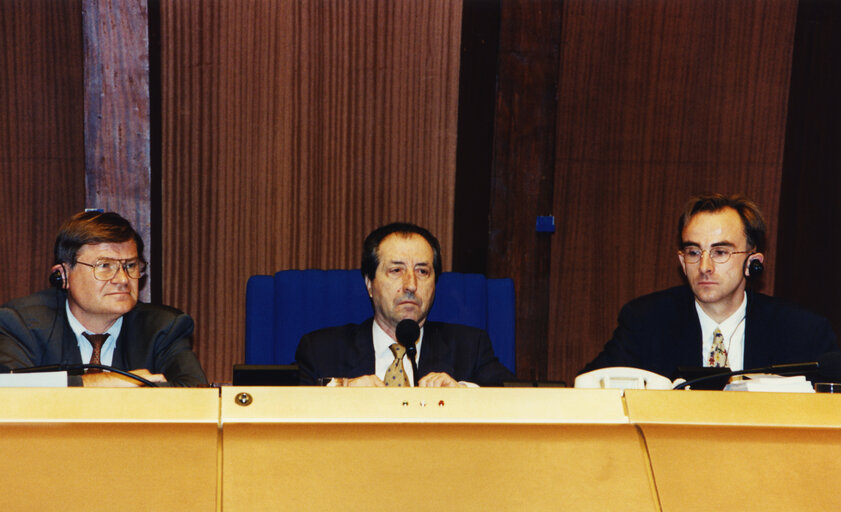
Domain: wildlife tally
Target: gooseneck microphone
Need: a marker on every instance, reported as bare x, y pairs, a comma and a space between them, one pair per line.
79, 369
828, 365
408, 332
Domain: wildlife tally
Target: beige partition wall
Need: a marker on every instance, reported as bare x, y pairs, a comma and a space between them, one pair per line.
291, 128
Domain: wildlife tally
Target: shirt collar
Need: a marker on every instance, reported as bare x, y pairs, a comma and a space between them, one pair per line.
383, 341
77, 327
730, 323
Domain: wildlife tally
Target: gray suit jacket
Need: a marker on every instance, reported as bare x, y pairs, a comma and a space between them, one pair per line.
34, 331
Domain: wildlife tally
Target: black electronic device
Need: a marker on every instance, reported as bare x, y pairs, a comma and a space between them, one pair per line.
827, 366
265, 375
57, 279
755, 268
408, 332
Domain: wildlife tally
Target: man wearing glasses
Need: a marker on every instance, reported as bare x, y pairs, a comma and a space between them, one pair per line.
715, 320
93, 316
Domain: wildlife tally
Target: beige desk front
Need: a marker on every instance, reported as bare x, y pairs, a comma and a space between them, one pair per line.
108, 449
718, 450
461, 449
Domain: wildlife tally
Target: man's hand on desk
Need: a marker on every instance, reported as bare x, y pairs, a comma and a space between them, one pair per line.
371, 381
430, 380
116, 380
439, 380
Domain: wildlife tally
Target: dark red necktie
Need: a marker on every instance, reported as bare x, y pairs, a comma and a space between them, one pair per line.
97, 340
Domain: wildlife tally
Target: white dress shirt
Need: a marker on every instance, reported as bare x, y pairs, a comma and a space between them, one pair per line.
106, 356
383, 356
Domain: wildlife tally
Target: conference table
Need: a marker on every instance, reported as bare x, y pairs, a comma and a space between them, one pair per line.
311, 448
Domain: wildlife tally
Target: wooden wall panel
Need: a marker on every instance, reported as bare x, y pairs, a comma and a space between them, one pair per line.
42, 177
117, 123
524, 170
809, 207
658, 100
290, 129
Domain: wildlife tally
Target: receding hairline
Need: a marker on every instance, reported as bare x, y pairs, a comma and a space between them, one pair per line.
723, 210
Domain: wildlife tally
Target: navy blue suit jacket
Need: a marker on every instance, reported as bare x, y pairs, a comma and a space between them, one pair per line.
463, 352
661, 331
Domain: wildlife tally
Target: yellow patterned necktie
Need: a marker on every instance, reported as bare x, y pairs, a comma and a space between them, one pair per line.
718, 354
395, 376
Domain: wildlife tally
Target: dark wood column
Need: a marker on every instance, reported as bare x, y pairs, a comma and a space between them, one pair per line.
524, 168
811, 185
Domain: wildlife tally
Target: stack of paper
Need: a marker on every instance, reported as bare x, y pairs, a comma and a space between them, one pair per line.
775, 383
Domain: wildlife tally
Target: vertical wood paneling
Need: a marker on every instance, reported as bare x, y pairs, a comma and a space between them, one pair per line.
117, 138
41, 138
658, 100
290, 130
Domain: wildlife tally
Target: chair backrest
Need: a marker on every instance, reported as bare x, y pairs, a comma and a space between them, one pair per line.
280, 309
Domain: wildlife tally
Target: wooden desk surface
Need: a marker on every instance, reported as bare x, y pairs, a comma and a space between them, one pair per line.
460, 449
434, 405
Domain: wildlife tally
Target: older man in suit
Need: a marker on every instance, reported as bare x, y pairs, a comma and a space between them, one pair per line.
92, 316
401, 264
715, 320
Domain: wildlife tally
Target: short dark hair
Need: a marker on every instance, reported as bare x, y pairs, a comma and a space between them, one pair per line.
748, 211
92, 227
370, 258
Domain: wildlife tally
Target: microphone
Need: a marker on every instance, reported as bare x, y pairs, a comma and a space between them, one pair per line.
77, 369
408, 332
828, 365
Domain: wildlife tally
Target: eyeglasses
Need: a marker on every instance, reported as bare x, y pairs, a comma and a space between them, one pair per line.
104, 269
692, 254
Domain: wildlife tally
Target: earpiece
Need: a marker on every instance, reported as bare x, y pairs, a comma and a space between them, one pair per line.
755, 268
57, 279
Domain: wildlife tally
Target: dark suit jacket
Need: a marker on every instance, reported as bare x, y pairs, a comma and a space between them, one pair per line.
34, 331
465, 353
661, 331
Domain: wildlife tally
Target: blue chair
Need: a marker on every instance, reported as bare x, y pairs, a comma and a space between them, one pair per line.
280, 309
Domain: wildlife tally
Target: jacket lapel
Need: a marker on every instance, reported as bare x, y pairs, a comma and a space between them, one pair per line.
756, 354
685, 345
436, 352
69, 345
360, 354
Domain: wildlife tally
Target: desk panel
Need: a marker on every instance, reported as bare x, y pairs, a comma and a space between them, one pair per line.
109, 449
483, 449
717, 450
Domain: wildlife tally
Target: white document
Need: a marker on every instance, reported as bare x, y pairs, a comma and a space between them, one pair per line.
34, 380
774, 383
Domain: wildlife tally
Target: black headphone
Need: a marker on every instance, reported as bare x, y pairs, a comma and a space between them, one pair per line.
755, 268
57, 279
